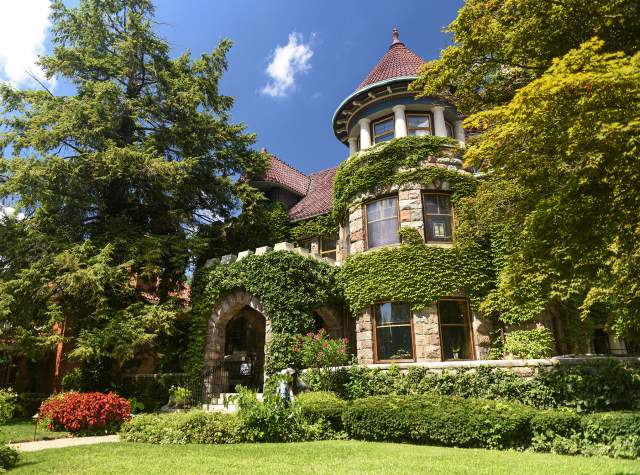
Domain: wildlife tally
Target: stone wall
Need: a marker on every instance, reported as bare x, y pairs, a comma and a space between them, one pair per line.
426, 335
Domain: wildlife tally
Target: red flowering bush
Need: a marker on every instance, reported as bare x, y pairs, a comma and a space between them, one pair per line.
85, 413
317, 350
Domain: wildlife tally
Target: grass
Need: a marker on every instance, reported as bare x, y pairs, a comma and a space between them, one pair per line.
21, 430
333, 457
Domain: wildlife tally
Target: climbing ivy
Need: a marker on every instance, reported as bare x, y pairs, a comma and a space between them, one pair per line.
325, 225
417, 274
289, 287
397, 162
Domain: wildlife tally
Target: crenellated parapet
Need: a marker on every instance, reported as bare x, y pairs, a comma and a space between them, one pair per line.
278, 247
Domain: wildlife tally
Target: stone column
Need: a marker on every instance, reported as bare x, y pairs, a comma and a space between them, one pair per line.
365, 134
458, 131
353, 145
400, 121
439, 127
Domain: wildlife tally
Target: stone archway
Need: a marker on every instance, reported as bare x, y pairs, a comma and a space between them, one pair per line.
222, 313
331, 321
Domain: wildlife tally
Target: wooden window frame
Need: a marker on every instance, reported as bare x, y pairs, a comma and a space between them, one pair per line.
418, 114
375, 334
468, 325
321, 247
425, 214
377, 121
365, 217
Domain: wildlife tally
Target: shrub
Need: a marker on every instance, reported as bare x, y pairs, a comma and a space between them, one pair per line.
8, 399
603, 385
152, 391
8, 457
85, 413
537, 343
323, 405
554, 423
437, 420
317, 350
193, 427
410, 235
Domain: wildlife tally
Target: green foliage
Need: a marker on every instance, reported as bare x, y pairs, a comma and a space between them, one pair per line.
274, 420
322, 406
280, 354
437, 420
8, 400
288, 286
568, 226
502, 45
603, 386
418, 274
320, 226
410, 236
113, 182
318, 350
193, 427
394, 163
8, 458
536, 343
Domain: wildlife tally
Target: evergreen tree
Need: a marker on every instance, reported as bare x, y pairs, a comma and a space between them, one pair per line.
111, 185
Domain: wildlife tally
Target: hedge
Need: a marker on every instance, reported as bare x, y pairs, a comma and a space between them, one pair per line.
322, 405
436, 420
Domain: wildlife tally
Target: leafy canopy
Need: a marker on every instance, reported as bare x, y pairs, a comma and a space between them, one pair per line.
562, 199
114, 182
502, 45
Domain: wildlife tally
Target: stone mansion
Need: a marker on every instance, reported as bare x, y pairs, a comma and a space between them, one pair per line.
382, 108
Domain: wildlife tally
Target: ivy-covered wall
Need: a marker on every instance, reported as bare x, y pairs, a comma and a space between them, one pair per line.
395, 163
319, 226
417, 274
288, 285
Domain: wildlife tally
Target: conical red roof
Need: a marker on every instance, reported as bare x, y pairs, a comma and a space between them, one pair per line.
399, 61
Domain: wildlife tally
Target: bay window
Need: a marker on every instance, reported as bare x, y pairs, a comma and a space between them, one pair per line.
382, 222
438, 217
393, 332
455, 329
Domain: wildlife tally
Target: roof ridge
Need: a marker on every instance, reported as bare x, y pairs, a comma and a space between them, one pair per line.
287, 164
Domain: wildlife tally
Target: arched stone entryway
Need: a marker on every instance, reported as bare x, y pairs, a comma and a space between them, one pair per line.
240, 312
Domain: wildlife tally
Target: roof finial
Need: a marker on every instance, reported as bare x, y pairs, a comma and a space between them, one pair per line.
394, 36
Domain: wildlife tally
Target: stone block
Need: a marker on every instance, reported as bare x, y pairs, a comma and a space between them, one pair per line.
211, 262
405, 215
357, 247
228, 259
283, 246
301, 251
357, 235
243, 254
263, 250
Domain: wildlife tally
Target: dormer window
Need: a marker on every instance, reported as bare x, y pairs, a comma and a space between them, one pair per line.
383, 130
419, 124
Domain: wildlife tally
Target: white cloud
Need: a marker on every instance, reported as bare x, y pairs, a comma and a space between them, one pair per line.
23, 28
287, 61
6, 211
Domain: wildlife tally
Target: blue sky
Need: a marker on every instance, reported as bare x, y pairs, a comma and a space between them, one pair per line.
335, 44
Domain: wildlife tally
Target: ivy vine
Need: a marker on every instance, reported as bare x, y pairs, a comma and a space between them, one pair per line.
325, 225
397, 162
417, 274
288, 285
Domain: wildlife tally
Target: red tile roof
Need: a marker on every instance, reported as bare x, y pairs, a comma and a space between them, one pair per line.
319, 198
284, 174
399, 61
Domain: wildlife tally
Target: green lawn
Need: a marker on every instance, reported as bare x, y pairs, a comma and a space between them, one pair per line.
333, 457
21, 430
